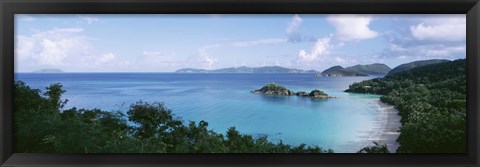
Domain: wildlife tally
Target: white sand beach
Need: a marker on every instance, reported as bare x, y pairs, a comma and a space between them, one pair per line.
388, 126
385, 129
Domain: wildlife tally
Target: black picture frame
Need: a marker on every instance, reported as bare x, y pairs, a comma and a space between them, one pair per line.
10, 7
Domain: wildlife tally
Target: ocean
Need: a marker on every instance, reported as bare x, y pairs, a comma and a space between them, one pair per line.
224, 100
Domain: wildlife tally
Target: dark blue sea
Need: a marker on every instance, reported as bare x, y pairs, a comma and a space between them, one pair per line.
224, 100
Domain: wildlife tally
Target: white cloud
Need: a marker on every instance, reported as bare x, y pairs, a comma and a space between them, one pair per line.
89, 19
209, 61
442, 50
321, 48
433, 36
448, 29
106, 58
156, 53
293, 29
64, 48
339, 60
434, 50
260, 42
352, 27
204, 59
51, 47
294, 24
24, 47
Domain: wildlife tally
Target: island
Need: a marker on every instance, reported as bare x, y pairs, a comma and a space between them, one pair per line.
357, 70
50, 70
275, 89
244, 69
339, 71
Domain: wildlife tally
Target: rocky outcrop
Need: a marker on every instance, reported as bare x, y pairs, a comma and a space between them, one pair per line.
318, 94
302, 93
275, 89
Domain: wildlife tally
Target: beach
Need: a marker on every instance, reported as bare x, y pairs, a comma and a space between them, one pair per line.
385, 129
388, 126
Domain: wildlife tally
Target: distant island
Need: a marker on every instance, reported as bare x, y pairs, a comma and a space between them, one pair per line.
49, 70
275, 89
244, 69
357, 70
415, 64
334, 71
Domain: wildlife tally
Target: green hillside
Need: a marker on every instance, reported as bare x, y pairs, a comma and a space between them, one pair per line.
370, 69
431, 101
357, 70
415, 64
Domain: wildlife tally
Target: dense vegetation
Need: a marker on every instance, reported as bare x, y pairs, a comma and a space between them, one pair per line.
274, 89
370, 69
431, 101
376, 148
357, 70
338, 71
317, 92
415, 64
42, 125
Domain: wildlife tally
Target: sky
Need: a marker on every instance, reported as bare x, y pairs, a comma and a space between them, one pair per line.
165, 43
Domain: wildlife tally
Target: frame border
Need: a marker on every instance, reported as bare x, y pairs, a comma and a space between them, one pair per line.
10, 7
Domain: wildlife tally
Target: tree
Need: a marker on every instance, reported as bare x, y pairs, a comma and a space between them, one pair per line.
376, 148
431, 101
154, 120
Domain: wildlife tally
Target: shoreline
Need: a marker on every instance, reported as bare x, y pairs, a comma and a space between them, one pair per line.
387, 128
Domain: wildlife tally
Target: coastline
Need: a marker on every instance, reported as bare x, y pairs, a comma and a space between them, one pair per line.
387, 127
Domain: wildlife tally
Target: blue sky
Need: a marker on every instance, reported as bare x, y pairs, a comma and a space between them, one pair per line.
165, 43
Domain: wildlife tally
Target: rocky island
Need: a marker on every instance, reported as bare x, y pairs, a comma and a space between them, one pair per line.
275, 89
49, 70
315, 94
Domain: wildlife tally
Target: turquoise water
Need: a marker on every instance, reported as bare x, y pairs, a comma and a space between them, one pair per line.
224, 100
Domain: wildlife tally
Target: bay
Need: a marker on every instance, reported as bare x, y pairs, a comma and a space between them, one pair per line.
224, 100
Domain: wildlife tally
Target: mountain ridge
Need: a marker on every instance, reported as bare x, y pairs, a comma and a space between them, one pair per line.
245, 69
356, 70
48, 70
415, 64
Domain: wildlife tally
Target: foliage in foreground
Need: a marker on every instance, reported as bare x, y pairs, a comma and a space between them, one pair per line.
376, 148
431, 101
41, 125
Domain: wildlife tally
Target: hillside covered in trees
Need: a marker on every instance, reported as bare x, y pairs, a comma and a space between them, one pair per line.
357, 70
415, 64
431, 101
